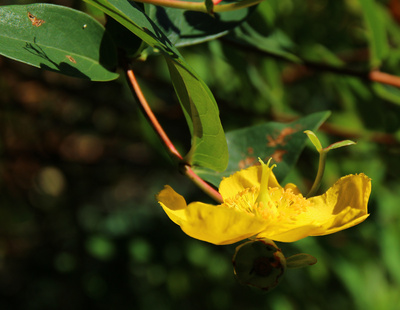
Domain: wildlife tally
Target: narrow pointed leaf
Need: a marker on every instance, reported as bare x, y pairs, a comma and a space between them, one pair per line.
377, 33
132, 17
184, 27
277, 43
339, 144
207, 133
260, 33
387, 92
314, 139
209, 5
209, 148
57, 38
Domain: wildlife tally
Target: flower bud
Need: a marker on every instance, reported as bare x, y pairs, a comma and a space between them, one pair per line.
259, 263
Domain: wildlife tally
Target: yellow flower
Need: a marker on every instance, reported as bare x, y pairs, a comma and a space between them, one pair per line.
254, 204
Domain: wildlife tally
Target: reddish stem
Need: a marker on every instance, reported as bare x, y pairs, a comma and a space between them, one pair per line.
187, 170
307, 68
332, 129
150, 115
384, 78
203, 185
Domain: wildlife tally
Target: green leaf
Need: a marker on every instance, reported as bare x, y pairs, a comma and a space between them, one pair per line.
126, 41
132, 17
188, 27
261, 33
314, 139
339, 144
276, 43
283, 142
57, 38
377, 33
209, 148
209, 5
199, 105
318, 53
387, 92
300, 260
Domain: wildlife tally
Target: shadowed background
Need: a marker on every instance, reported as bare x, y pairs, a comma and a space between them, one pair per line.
79, 168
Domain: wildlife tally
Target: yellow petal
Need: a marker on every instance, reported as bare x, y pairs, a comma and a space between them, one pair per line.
214, 224
220, 225
293, 187
175, 202
243, 179
290, 233
342, 206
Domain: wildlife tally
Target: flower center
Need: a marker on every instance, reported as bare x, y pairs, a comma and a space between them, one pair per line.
282, 203
270, 203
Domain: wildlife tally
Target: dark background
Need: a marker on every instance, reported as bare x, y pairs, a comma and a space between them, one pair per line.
79, 168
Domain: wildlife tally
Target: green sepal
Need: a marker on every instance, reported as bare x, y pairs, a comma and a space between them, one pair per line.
300, 260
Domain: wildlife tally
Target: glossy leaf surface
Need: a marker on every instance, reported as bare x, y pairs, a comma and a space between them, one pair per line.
209, 148
184, 27
204, 115
283, 142
57, 38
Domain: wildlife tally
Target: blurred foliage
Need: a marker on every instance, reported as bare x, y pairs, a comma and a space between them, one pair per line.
79, 168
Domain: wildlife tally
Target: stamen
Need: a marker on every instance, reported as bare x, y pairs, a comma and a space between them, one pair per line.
282, 204
243, 201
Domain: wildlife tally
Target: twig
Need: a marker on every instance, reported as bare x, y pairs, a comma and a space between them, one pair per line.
203, 185
305, 68
200, 6
186, 168
150, 115
373, 76
384, 78
335, 130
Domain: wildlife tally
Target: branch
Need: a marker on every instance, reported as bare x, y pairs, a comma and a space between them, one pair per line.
384, 78
306, 68
150, 115
335, 130
200, 6
203, 185
187, 170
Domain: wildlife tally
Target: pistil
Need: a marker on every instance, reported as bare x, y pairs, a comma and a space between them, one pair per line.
263, 196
